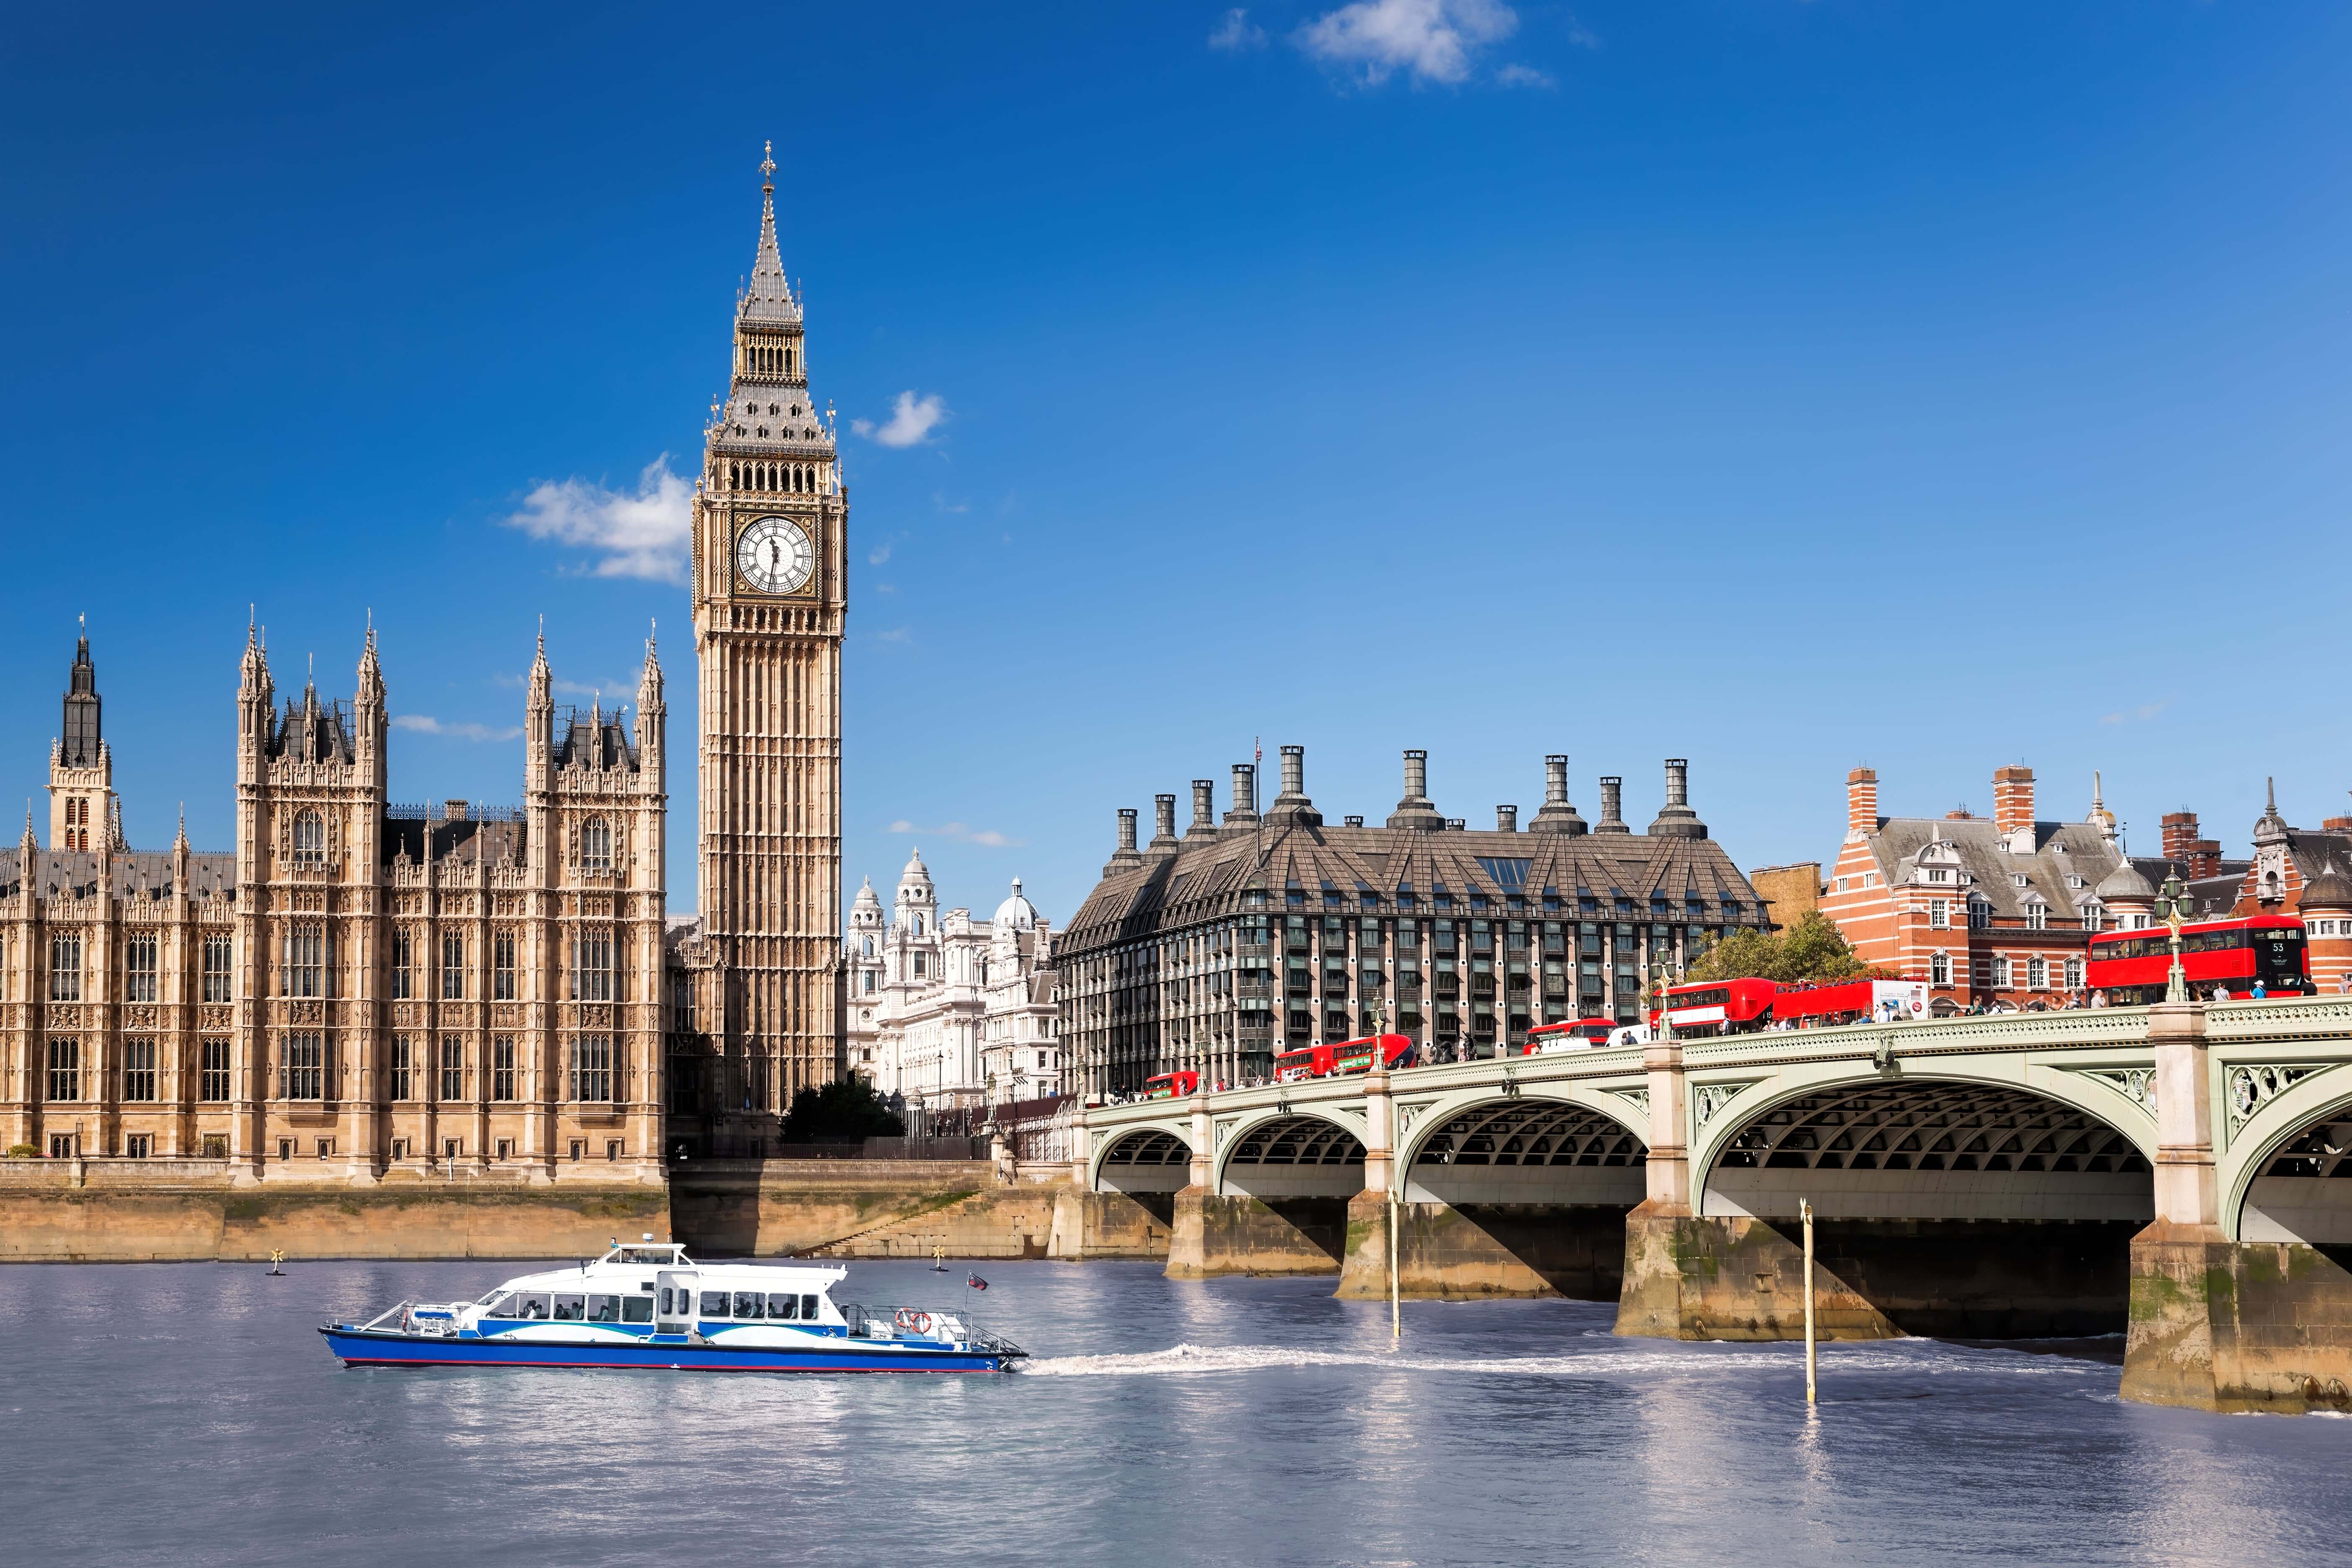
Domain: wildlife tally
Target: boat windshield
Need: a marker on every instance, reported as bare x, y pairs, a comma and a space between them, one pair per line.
658, 1256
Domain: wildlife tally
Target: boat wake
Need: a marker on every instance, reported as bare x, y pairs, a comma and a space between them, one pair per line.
1915, 1357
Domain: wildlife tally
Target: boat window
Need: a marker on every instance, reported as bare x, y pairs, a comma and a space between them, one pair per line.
637, 1309
784, 1307
714, 1303
603, 1309
808, 1308
497, 1304
749, 1305
529, 1305
568, 1309
493, 1296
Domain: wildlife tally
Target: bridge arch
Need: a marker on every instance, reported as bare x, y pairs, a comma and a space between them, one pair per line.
1147, 1157
1538, 1146
2288, 1173
1287, 1152
1967, 1141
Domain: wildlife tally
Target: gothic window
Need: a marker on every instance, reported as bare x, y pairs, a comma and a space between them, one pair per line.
219, 957
591, 1067
310, 839
591, 966
138, 1070
404, 1068
453, 967
304, 972
138, 968
596, 845
302, 1067
64, 967
502, 967
453, 1067
212, 1071
65, 1070
403, 961
502, 1067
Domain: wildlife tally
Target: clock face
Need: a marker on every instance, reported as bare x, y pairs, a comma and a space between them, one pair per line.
774, 556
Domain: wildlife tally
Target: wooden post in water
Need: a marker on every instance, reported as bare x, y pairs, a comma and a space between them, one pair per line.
1396, 1314
1805, 1207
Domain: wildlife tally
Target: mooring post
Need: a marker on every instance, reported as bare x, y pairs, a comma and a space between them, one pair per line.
1805, 1208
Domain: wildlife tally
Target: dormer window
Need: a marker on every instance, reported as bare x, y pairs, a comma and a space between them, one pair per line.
2021, 878
2037, 915
1937, 874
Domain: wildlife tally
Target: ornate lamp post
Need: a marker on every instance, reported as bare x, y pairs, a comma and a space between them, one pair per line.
1657, 989
2173, 906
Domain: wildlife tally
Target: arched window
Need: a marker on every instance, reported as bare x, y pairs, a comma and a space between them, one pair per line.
596, 845
869, 947
1939, 969
310, 839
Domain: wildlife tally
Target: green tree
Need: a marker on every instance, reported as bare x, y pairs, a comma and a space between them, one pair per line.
844, 1110
1812, 949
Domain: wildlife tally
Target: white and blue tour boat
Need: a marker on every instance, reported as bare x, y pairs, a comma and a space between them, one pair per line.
653, 1306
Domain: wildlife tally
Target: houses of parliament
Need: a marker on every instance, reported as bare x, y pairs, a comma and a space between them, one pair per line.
360, 990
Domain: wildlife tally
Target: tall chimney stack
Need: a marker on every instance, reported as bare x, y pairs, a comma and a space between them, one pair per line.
1124, 854
1506, 819
1556, 816
1244, 809
2179, 835
1205, 807
1293, 770
1861, 803
2012, 799
1613, 798
1676, 819
1163, 818
1415, 810
1292, 804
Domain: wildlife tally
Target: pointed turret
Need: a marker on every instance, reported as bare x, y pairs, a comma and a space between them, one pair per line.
769, 295
652, 714
78, 736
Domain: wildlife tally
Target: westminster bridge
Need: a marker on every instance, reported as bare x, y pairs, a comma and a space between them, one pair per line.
2182, 1172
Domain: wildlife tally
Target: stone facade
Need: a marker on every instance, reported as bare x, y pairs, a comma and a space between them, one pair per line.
1265, 931
947, 1011
756, 979
359, 988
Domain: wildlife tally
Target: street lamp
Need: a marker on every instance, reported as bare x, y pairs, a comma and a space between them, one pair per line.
2173, 906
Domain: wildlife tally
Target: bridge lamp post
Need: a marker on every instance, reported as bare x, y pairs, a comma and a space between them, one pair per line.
2173, 906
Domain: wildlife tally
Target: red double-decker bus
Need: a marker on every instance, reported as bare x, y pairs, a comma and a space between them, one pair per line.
1343, 1056
1829, 1002
1171, 1085
1718, 1007
2235, 957
1579, 1035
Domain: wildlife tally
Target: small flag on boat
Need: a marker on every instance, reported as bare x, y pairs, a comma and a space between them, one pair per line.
975, 1281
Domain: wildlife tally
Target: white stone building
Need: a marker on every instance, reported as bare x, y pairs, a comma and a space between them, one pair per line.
946, 1011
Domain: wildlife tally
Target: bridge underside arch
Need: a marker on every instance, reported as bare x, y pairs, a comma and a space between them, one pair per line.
1517, 1196
1931, 1151
1949, 1207
2301, 1190
1148, 1159
1293, 1156
1528, 1151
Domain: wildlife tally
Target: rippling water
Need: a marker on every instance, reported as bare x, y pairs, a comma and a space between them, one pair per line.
187, 1413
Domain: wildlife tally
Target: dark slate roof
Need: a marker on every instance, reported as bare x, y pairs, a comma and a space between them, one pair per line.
468, 841
2062, 850
313, 731
75, 872
2214, 895
600, 739
1204, 875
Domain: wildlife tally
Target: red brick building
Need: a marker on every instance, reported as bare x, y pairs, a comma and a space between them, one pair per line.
1998, 909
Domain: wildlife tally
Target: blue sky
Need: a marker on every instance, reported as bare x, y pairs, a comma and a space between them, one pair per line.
1780, 385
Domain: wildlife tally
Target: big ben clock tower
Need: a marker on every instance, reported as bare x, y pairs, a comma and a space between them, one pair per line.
771, 587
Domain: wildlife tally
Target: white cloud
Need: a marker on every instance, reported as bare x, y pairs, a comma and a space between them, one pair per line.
423, 725
1524, 75
897, 634
957, 832
939, 500
911, 421
639, 535
1583, 36
1236, 32
1434, 39
879, 554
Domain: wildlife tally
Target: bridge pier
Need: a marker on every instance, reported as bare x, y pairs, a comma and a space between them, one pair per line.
1218, 1234
1450, 1252
2218, 1324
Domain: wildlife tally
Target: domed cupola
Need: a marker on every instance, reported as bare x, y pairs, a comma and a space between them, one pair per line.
866, 913
2331, 890
1016, 914
915, 881
2125, 885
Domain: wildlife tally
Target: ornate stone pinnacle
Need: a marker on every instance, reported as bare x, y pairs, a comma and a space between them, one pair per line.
768, 167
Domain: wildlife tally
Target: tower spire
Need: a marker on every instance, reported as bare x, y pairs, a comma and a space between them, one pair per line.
768, 297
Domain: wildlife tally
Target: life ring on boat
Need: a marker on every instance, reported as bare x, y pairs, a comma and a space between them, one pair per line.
913, 1321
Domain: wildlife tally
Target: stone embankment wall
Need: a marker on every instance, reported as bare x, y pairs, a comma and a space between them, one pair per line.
2238, 1326
138, 1211
880, 1208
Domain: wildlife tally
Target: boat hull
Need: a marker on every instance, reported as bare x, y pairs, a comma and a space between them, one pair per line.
374, 1348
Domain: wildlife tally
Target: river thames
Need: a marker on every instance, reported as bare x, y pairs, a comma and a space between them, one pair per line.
189, 1413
